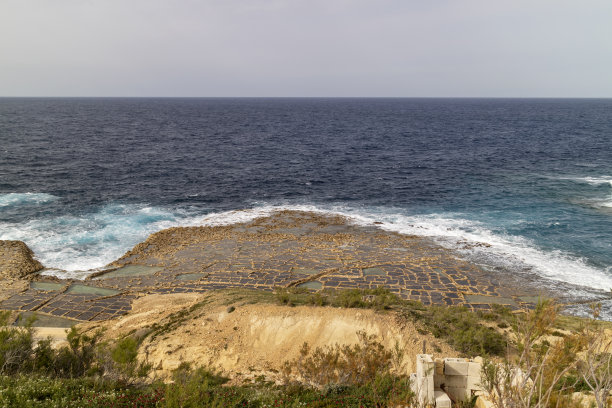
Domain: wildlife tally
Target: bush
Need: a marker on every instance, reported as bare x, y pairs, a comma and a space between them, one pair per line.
79, 357
204, 388
125, 352
201, 388
460, 327
343, 365
120, 362
16, 346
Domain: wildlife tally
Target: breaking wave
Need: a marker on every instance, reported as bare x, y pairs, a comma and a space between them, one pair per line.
19, 199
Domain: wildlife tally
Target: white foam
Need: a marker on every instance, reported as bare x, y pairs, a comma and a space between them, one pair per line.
78, 244
229, 217
510, 252
17, 199
594, 181
603, 203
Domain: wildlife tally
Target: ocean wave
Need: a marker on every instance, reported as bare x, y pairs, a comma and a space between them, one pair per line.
17, 199
76, 246
594, 181
591, 180
599, 203
73, 246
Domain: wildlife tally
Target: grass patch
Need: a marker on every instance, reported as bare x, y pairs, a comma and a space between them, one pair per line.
459, 327
378, 298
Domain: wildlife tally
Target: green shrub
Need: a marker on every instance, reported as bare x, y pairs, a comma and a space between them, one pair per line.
120, 362
16, 346
458, 326
125, 352
19, 353
76, 359
201, 388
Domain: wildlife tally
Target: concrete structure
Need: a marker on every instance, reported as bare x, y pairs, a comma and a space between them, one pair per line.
440, 382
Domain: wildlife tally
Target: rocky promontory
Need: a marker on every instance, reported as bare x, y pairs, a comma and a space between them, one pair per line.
17, 260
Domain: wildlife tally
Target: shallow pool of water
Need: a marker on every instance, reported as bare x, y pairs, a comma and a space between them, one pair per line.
313, 285
373, 271
131, 270
490, 300
46, 286
91, 290
190, 276
43, 320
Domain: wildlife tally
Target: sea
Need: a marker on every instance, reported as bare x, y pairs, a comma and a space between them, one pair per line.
522, 186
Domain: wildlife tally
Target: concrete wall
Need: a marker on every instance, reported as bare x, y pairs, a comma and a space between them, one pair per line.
439, 382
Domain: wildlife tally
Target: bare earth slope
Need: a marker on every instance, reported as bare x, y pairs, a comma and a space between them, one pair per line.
253, 339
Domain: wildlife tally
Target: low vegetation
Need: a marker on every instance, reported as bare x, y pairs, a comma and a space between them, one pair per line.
89, 372
204, 388
365, 364
544, 371
378, 298
466, 331
533, 361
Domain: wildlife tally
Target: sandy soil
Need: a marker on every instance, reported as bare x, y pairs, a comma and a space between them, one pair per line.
56, 334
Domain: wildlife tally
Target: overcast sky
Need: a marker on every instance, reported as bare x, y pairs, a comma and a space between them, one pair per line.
514, 48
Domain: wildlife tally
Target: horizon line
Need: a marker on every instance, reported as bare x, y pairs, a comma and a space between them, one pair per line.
299, 97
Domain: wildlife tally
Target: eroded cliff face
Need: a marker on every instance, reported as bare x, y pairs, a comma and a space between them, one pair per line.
17, 260
248, 340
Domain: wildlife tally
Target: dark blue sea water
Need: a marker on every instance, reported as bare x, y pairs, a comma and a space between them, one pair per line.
82, 180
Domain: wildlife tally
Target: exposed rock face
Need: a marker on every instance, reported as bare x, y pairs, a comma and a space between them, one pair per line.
16, 260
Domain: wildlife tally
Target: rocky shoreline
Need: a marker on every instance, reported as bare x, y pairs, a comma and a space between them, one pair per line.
286, 249
17, 260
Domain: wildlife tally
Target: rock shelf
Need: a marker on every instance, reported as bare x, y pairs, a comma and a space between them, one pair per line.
16, 260
286, 249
